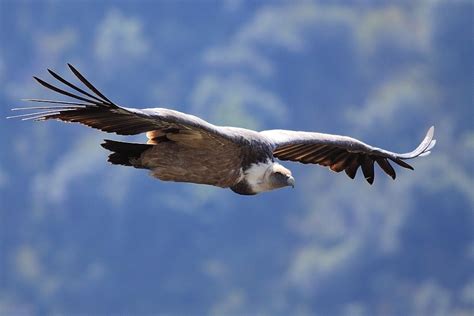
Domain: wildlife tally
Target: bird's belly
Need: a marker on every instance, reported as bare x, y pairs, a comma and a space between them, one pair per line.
173, 162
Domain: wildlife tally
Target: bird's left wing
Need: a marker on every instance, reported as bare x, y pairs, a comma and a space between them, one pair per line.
94, 109
341, 152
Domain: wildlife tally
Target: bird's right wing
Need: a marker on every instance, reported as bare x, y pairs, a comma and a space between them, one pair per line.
94, 109
341, 152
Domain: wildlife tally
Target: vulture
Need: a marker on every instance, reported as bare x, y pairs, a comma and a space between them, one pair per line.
185, 148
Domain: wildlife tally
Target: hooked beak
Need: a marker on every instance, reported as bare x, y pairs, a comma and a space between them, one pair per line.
291, 181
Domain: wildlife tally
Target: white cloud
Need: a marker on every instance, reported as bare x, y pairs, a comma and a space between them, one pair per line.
467, 294
432, 299
95, 271
10, 304
85, 157
313, 263
235, 101
30, 269
120, 38
389, 102
168, 89
21, 89
232, 5
2, 68
117, 186
444, 174
355, 309
216, 269
287, 27
279, 26
188, 198
404, 27
53, 45
239, 55
233, 303
3, 178
27, 263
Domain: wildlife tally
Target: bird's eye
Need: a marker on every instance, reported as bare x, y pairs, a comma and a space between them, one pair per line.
279, 174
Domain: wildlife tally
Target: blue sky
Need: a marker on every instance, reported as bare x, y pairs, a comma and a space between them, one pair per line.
79, 236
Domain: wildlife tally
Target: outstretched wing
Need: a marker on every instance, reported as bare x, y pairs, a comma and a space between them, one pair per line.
94, 109
342, 152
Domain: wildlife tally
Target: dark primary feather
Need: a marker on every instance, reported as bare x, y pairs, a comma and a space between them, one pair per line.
88, 84
67, 83
341, 152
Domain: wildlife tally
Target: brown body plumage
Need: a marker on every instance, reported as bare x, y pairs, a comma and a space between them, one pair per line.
204, 161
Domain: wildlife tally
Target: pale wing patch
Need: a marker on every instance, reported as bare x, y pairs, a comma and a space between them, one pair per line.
153, 135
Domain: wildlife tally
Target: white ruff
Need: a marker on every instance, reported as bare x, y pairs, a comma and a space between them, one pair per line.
257, 175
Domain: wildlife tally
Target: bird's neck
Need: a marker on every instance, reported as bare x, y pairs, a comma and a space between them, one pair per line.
256, 176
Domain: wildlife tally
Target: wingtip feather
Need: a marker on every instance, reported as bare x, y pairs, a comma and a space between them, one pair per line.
431, 130
426, 145
431, 145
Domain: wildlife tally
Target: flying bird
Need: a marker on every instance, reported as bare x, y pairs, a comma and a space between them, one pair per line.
185, 148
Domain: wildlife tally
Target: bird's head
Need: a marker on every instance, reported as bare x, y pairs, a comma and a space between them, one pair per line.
261, 177
279, 176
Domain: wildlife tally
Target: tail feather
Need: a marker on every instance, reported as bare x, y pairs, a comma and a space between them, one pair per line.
126, 154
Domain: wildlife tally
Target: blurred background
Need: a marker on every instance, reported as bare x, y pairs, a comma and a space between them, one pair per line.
79, 236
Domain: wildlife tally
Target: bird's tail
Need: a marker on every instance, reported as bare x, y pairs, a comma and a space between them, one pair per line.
126, 154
